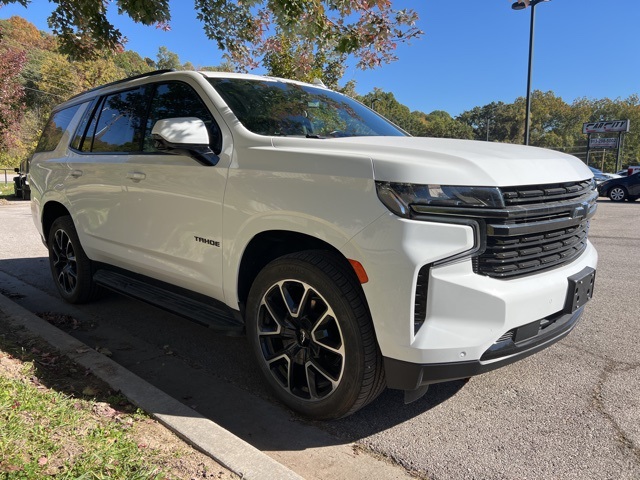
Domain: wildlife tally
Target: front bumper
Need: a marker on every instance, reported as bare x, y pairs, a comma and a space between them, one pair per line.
525, 341
464, 314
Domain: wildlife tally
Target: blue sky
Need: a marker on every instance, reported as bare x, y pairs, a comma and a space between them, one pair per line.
473, 51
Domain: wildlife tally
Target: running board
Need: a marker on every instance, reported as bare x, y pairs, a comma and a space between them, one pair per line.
221, 318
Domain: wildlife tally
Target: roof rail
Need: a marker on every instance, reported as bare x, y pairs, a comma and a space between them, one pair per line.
135, 77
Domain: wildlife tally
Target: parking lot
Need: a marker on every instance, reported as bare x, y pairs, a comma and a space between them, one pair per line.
569, 412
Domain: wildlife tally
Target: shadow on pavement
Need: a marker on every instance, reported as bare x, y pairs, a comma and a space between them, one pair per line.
213, 374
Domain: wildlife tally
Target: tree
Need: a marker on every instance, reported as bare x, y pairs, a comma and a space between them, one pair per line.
385, 104
23, 34
289, 58
349, 89
98, 71
497, 122
60, 77
440, 124
225, 66
167, 60
131, 63
12, 62
367, 29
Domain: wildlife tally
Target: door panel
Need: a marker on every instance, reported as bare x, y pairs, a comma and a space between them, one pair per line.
634, 185
170, 221
156, 213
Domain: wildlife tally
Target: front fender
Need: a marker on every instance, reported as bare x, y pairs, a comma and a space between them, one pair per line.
294, 222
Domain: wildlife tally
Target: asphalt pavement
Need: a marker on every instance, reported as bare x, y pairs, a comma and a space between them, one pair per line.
569, 412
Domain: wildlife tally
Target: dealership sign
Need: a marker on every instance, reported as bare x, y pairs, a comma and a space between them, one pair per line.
610, 142
614, 126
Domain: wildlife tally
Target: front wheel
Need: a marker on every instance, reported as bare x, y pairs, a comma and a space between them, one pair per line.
617, 194
70, 266
312, 335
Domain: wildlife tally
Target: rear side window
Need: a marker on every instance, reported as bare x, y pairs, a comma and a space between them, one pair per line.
119, 123
122, 122
55, 128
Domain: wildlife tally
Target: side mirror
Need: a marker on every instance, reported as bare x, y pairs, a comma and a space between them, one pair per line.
184, 134
17, 170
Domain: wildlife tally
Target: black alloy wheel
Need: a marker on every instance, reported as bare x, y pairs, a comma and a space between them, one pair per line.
312, 335
301, 340
70, 266
64, 262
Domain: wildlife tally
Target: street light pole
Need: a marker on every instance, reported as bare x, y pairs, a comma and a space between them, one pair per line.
527, 119
520, 5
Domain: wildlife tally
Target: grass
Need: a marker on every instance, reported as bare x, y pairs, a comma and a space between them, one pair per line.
6, 189
46, 432
58, 421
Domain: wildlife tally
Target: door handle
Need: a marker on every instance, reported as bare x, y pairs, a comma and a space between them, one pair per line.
76, 173
136, 176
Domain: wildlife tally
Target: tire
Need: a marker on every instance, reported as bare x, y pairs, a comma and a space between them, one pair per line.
312, 335
70, 266
617, 194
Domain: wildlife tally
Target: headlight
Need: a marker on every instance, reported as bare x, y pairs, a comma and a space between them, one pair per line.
405, 198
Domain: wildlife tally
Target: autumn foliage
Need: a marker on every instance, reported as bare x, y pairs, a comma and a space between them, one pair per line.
12, 61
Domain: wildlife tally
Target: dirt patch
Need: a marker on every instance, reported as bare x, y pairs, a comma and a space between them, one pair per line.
60, 320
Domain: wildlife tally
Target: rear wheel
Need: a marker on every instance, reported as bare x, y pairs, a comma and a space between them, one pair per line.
70, 266
617, 194
312, 335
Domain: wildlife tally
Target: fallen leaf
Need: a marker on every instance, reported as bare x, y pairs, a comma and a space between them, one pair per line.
105, 410
90, 391
10, 468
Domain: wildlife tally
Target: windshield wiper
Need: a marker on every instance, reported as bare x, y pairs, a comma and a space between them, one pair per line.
309, 135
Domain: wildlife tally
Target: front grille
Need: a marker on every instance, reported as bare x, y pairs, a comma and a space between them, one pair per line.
536, 194
525, 254
542, 227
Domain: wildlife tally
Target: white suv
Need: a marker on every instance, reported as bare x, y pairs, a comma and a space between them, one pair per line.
353, 256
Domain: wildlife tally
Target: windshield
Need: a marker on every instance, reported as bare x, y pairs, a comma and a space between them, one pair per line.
271, 107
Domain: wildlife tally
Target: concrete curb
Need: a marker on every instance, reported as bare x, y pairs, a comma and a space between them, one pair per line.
197, 430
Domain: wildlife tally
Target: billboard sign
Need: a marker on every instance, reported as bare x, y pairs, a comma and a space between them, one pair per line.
610, 142
613, 126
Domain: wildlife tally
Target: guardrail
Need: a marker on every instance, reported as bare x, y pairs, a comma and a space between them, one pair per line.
5, 176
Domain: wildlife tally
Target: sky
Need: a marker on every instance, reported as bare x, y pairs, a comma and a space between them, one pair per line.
473, 52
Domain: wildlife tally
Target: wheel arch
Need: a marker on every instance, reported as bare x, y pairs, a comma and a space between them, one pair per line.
50, 212
269, 245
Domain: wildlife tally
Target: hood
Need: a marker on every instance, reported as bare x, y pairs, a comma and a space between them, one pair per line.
451, 162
